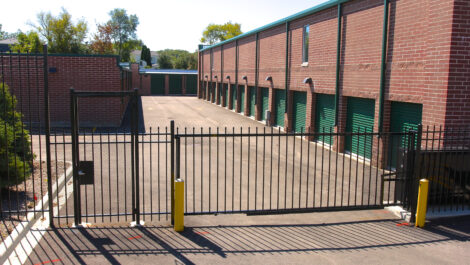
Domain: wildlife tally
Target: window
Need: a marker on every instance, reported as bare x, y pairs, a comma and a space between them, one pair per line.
305, 44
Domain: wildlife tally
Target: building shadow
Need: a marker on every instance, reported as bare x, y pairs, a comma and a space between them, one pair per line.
121, 244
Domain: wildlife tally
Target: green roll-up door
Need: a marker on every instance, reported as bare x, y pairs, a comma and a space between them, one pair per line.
157, 84
175, 84
191, 84
234, 97
252, 100
279, 106
324, 116
264, 102
404, 117
300, 110
360, 118
242, 99
226, 95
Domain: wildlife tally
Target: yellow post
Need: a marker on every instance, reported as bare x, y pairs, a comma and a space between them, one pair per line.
422, 202
179, 205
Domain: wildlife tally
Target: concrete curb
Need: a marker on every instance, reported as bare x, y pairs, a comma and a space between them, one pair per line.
22, 229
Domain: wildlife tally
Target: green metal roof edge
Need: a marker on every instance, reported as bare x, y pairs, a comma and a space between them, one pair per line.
306, 12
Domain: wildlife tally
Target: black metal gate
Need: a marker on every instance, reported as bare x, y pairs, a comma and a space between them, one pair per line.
265, 172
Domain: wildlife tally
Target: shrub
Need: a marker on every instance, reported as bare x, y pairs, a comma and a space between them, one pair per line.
15, 147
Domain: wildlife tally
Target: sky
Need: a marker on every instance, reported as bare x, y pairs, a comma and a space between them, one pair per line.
171, 24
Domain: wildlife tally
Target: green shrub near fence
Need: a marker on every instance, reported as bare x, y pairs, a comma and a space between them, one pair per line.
15, 146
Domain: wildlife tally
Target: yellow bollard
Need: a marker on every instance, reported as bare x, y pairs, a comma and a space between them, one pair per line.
422, 203
179, 205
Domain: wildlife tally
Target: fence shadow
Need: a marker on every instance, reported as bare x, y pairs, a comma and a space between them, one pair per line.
122, 244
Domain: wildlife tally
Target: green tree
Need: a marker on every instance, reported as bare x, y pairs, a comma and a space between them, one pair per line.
29, 42
5, 35
164, 61
145, 55
216, 33
124, 30
61, 34
127, 48
15, 147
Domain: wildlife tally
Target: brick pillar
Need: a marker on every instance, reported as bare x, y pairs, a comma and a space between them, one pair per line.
208, 94
224, 96
167, 84
245, 102
338, 144
238, 106
288, 123
258, 109
217, 91
229, 96
271, 104
183, 88
310, 123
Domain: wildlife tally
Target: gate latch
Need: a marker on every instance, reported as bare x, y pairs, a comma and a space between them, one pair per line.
86, 172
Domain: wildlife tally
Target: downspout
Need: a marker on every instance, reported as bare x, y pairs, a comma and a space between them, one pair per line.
256, 68
287, 68
236, 75
383, 65
338, 63
202, 76
221, 74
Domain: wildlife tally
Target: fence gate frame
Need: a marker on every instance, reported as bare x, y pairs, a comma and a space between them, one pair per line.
78, 171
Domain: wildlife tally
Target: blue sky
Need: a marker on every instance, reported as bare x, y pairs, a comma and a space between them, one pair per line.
175, 24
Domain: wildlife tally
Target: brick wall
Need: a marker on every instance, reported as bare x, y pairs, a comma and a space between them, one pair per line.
83, 73
427, 56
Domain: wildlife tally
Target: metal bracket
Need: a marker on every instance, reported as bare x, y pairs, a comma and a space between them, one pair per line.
86, 172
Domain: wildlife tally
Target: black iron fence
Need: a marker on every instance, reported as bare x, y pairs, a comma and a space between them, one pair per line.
260, 172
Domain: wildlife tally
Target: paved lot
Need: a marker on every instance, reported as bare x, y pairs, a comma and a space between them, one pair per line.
364, 237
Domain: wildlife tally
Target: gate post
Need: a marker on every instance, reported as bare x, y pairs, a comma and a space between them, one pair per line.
75, 157
414, 181
172, 170
136, 159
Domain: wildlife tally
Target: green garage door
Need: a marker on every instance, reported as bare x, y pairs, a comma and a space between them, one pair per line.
234, 97
242, 98
191, 84
175, 84
324, 116
157, 84
360, 118
403, 118
252, 100
264, 102
300, 110
279, 106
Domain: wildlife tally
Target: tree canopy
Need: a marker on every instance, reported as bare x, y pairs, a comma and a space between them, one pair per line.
28, 42
102, 39
146, 56
61, 34
124, 28
215, 33
177, 59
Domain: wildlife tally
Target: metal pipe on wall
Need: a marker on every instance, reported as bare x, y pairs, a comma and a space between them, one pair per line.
338, 63
383, 67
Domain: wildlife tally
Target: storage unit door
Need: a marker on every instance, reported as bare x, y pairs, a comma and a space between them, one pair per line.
403, 118
234, 97
279, 106
252, 100
191, 84
157, 84
300, 110
360, 119
175, 84
264, 102
242, 99
324, 117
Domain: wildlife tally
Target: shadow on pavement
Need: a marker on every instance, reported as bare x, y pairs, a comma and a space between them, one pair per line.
122, 244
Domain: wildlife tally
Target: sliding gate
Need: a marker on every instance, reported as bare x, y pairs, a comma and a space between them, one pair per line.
263, 172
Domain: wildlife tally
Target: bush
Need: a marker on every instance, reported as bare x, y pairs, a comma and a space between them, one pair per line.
15, 147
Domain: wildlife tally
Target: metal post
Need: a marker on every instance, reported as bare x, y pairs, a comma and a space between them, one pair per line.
422, 203
178, 193
48, 135
75, 154
136, 142
338, 63
416, 145
383, 65
172, 170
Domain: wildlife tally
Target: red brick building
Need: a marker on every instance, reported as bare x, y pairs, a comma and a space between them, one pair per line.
348, 65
